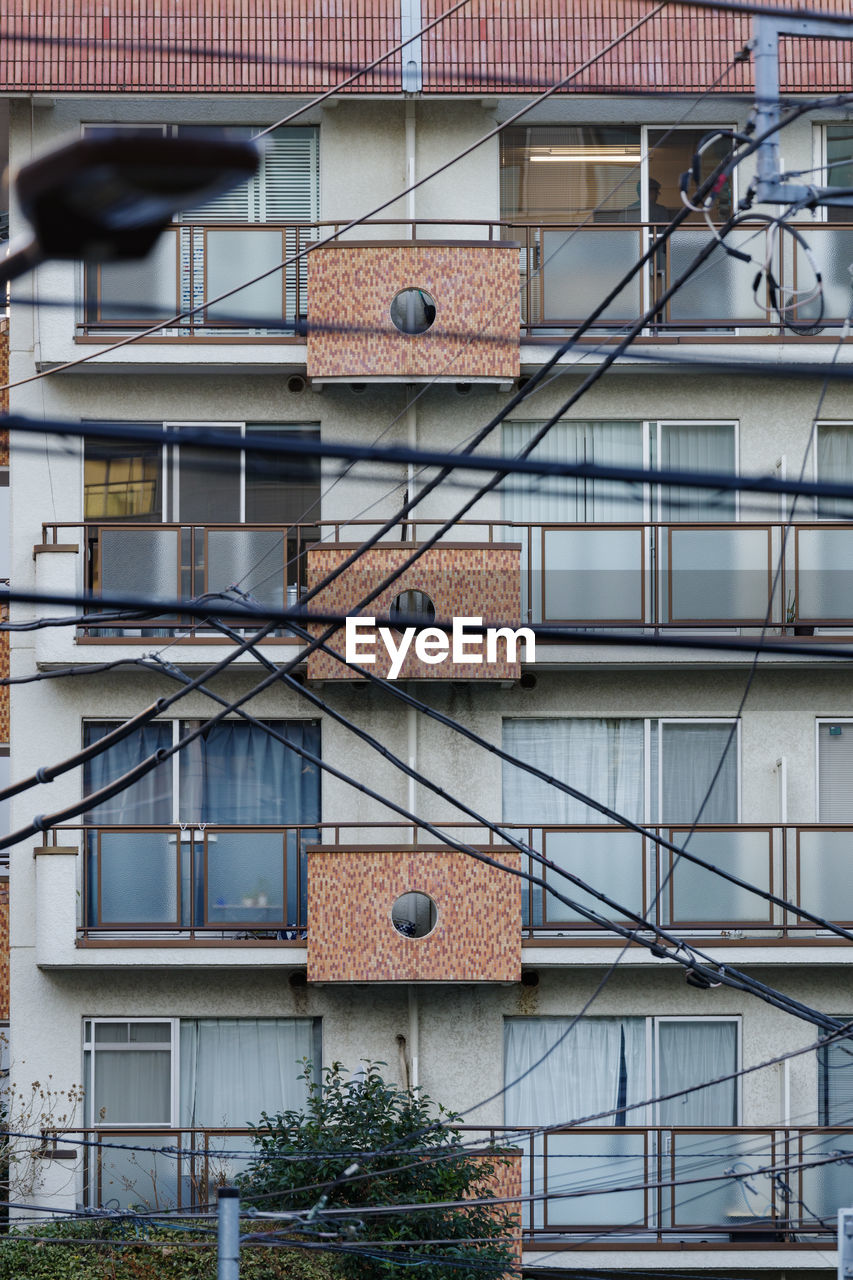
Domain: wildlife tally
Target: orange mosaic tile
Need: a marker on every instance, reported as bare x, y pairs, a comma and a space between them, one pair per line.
476, 938
462, 580
4, 395
475, 289
4, 950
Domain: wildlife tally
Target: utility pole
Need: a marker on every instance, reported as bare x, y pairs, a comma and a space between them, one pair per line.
845, 1244
228, 1234
773, 186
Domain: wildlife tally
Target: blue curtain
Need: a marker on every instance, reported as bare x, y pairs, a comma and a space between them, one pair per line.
236, 774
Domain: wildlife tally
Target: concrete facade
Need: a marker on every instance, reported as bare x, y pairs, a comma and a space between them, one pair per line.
63, 973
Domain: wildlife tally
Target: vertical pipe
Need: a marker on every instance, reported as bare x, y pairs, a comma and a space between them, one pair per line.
411, 168
414, 1036
228, 1234
412, 754
411, 435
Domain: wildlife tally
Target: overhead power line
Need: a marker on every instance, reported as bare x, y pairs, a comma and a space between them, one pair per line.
293, 446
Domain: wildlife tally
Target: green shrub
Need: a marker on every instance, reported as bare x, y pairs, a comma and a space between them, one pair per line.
425, 1161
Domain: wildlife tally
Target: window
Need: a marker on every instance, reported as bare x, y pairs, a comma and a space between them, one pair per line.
835, 771
209, 251
635, 1059
207, 494
131, 482
233, 776
194, 1072
834, 463
679, 445
838, 159
630, 571
557, 1074
835, 1076
570, 173
188, 1073
650, 771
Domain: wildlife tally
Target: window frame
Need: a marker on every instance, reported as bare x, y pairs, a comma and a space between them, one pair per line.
641, 1117
170, 460
93, 1049
654, 427
819, 720
693, 720
90, 1047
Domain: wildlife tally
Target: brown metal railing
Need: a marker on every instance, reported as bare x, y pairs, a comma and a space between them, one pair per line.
638, 1186
644, 1186
241, 884
642, 575
565, 270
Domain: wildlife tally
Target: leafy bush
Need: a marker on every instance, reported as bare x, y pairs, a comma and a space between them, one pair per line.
422, 1160
127, 1256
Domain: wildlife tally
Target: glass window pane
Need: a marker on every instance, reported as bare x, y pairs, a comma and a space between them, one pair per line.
281, 490
835, 772
149, 1033
232, 1069
209, 484
602, 758
236, 774
835, 1063
111, 1033
839, 172
670, 154
133, 1087
835, 464
122, 481
147, 802
688, 1054
690, 755
697, 446
561, 173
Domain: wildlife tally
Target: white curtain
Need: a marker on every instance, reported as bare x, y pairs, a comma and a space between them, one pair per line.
690, 755
603, 758
599, 1065
566, 501
688, 1054
835, 463
697, 446
232, 1069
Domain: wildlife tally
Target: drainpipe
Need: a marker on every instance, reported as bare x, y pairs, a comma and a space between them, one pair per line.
411, 142
412, 753
414, 1036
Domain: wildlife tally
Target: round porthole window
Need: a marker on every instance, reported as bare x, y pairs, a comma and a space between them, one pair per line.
414, 605
414, 915
413, 311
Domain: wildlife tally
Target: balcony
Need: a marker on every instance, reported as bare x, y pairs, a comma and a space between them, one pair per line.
739, 1186
645, 576
745, 1185
249, 885
564, 271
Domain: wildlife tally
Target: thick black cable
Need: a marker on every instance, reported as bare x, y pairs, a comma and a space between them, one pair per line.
404, 455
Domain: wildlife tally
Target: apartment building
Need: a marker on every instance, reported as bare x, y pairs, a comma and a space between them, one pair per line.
179, 948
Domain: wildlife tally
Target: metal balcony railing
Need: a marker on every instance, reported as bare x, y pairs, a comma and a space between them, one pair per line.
662, 1184
643, 575
642, 1186
565, 270
243, 884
